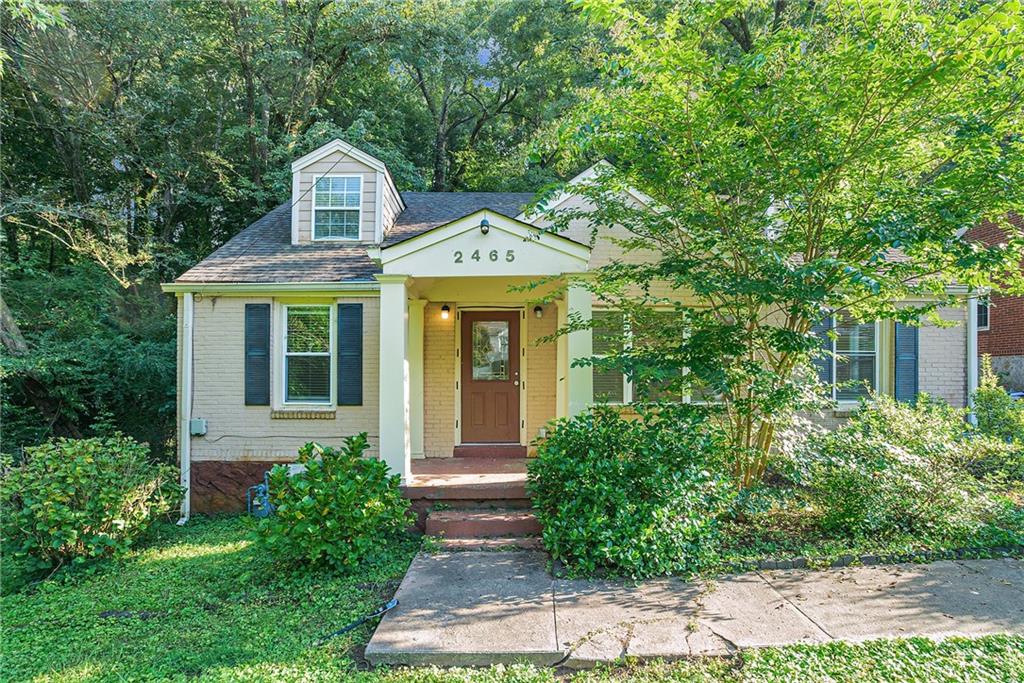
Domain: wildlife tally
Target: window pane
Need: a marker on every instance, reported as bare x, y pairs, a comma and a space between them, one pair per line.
854, 337
336, 223
607, 330
308, 378
608, 386
309, 329
859, 369
337, 193
490, 350
983, 312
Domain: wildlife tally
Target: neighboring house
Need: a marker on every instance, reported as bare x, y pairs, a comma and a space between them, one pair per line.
1001, 318
355, 307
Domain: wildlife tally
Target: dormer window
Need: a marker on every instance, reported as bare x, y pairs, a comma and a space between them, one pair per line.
337, 212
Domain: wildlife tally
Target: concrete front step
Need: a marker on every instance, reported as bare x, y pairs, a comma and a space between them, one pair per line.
500, 543
481, 523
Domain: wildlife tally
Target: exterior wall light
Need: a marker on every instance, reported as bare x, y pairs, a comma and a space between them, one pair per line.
538, 311
445, 312
485, 225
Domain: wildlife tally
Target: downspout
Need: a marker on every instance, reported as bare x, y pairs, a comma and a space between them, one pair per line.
972, 356
184, 429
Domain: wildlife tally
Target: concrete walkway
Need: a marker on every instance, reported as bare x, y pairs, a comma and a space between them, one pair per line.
479, 608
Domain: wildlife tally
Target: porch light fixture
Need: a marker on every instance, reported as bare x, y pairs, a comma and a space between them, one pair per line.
485, 225
445, 312
538, 311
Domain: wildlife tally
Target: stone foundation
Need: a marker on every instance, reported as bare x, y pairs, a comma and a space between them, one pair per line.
1010, 370
219, 487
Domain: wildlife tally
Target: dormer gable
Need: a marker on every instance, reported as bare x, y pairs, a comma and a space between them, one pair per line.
342, 194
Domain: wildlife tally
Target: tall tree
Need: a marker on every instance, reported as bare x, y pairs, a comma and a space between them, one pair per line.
803, 159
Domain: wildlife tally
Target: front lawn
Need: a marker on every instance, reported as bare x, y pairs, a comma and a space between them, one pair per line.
203, 602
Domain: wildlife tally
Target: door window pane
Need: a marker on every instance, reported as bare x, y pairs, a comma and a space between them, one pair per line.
490, 350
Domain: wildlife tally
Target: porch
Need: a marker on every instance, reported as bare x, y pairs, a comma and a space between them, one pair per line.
464, 360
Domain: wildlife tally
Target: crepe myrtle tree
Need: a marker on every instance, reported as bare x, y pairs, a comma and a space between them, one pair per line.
798, 159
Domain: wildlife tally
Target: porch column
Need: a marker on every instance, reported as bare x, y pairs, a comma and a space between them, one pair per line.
395, 445
579, 344
561, 364
416, 376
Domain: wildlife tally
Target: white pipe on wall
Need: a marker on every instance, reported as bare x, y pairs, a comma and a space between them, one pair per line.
972, 355
184, 429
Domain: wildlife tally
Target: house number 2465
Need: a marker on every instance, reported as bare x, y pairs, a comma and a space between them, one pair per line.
492, 255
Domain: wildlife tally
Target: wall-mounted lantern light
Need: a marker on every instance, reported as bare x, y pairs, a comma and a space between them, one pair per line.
485, 225
445, 312
538, 311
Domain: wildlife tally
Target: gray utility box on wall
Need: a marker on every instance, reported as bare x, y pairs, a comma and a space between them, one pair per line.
197, 426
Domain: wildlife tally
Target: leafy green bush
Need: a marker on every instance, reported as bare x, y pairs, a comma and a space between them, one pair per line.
76, 499
998, 414
637, 497
895, 468
338, 511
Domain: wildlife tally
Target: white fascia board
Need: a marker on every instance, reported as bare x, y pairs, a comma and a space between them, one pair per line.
585, 176
345, 148
366, 286
524, 231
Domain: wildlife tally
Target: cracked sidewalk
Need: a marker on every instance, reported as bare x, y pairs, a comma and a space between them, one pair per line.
480, 608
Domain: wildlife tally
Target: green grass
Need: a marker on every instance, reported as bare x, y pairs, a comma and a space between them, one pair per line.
203, 603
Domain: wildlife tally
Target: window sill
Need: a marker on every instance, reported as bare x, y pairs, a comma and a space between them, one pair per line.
303, 414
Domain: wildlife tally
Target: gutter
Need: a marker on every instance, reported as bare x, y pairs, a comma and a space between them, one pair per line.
265, 287
972, 356
184, 429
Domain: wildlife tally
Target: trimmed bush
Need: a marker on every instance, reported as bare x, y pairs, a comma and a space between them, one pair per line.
338, 512
635, 497
895, 468
77, 499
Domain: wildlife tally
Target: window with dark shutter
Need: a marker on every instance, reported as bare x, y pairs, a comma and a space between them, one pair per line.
905, 364
350, 354
823, 362
257, 354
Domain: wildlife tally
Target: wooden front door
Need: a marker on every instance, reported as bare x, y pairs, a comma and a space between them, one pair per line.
490, 377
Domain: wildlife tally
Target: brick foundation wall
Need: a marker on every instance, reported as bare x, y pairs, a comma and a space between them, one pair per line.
219, 487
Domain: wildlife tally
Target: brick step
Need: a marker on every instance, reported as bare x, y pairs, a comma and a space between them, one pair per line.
499, 543
481, 523
490, 450
511, 490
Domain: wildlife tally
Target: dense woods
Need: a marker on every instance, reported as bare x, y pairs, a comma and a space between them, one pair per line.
139, 136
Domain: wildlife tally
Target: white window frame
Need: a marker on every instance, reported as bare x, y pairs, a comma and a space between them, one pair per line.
628, 397
986, 303
358, 209
878, 365
332, 323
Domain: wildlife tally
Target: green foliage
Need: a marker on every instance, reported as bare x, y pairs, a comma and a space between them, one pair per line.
789, 153
82, 499
998, 414
635, 497
898, 469
338, 512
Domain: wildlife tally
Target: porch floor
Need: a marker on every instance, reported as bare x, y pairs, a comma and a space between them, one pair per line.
452, 472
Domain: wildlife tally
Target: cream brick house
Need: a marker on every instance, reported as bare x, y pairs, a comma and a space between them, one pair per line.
355, 307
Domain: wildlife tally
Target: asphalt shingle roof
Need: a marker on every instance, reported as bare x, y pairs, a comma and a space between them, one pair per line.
263, 252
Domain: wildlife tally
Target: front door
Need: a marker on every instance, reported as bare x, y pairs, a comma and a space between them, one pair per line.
490, 377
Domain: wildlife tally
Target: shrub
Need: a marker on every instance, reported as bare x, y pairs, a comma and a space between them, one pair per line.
76, 499
338, 511
895, 468
999, 415
637, 497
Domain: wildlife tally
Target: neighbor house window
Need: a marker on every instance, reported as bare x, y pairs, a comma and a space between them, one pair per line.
983, 311
307, 354
855, 359
336, 208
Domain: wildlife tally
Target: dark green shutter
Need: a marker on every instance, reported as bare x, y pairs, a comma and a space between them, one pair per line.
823, 363
257, 354
350, 354
905, 365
